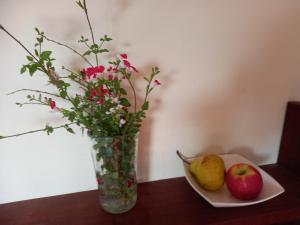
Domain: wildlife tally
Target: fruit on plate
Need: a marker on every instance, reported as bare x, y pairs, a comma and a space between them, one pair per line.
244, 181
209, 171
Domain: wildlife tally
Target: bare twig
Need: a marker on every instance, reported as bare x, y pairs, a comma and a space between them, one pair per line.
7, 32
133, 91
34, 131
37, 91
49, 72
70, 48
90, 26
80, 82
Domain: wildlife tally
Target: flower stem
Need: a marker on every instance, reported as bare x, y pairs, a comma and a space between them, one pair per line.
90, 26
37, 91
70, 48
49, 72
133, 90
32, 103
7, 32
34, 131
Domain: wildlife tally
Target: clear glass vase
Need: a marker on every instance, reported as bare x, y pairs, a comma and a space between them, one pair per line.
115, 165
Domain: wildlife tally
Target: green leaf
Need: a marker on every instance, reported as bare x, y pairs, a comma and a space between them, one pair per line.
29, 58
69, 129
145, 106
88, 52
76, 101
32, 68
123, 91
23, 69
125, 102
63, 93
49, 129
103, 50
36, 52
39, 39
45, 55
94, 46
37, 30
105, 38
49, 64
80, 4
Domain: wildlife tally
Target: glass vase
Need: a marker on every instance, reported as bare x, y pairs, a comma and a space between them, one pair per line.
115, 165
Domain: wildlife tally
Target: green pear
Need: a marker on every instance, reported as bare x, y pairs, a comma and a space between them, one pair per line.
209, 171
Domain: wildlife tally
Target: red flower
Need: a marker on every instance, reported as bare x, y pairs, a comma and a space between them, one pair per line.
97, 94
99, 180
124, 56
109, 69
157, 82
100, 69
52, 103
94, 93
130, 182
103, 91
110, 77
128, 65
92, 71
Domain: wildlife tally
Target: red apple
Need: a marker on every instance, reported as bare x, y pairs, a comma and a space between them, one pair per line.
244, 181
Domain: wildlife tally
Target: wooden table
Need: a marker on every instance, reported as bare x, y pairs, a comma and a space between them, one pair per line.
173, 201
170, 201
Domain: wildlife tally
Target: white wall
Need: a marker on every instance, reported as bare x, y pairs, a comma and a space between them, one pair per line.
228, 69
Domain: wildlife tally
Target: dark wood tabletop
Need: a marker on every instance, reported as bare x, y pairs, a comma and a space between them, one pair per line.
173, 201
170, 201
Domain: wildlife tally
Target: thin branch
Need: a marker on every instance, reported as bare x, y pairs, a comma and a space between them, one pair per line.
80, 82
31, 103
90, 26
34, 131
70, 48
6, 31
133, 90
49, 72
37, 91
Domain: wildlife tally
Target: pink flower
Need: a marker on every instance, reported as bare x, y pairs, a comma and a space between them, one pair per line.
124, 56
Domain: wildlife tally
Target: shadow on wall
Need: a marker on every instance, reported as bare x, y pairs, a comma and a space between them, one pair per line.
259, 86
145, 135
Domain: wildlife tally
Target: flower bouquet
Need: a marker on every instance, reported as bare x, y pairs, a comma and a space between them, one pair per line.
102, 107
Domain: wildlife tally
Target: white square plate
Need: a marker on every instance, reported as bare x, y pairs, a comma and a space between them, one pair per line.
223, 198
